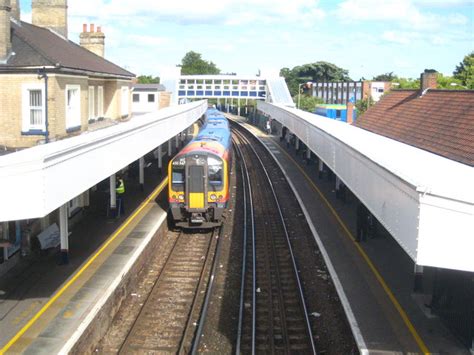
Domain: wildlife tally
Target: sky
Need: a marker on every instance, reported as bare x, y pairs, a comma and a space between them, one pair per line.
366, 37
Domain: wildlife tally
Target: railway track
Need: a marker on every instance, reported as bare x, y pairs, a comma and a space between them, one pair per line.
273, 316
168, 318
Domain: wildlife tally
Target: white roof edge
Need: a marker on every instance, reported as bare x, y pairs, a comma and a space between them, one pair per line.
429, 173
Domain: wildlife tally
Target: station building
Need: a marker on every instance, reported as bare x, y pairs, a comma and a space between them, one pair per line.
50, 87
149, 97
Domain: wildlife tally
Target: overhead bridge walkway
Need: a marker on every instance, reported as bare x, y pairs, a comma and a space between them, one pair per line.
229, 87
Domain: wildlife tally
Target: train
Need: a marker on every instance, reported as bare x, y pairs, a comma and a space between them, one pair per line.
198, 176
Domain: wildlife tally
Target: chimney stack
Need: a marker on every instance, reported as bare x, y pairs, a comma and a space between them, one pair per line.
5, 39
15, 13
93, 41
350, 112
428, 80
51, 14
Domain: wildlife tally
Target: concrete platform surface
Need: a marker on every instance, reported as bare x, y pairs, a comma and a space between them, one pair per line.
45, 306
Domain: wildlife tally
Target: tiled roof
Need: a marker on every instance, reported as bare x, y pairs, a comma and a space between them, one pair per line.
440, 121
37, 46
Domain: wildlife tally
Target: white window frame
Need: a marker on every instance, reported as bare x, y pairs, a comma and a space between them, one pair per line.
73, 119
125, 98
91, 102
100, 101
26, 125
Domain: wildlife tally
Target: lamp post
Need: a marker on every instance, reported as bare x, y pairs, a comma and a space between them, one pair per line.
42, 75
309, 83
299, 94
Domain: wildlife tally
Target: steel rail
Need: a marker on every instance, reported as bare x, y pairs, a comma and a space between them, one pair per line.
295, 269
189, 324
247, 188
210, 286
151, 292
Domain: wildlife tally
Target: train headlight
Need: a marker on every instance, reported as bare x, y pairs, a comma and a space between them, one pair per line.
213, 197
181, 197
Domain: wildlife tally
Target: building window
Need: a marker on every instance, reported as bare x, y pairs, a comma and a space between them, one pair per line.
91, 103
136, 97
33, 107
100, 101
151, 97
73, 106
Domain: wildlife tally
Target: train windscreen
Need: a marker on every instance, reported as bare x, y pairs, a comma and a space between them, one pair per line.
215, 172
177, 174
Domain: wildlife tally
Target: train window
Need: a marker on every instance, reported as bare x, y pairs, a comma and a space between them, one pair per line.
177, 175
214, 171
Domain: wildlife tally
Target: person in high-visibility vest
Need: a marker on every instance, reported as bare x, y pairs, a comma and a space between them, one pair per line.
120, 190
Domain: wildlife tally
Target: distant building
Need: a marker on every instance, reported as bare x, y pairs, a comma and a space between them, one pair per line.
149, 97
336, 112
341, 92
82, 86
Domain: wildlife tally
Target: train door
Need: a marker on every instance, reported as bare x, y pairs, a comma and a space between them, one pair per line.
197, 184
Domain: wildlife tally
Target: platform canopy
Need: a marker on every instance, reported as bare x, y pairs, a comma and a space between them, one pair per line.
424, 200
38, 180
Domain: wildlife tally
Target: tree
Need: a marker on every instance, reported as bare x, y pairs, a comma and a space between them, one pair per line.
363, 105
148, 79
193, 64
406, 83
465, 71
307, 102
385, 77
448, 82
318, 71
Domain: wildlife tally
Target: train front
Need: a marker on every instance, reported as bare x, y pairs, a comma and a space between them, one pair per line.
199, 185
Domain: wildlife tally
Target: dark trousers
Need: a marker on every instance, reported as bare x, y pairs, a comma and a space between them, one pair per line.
120, 205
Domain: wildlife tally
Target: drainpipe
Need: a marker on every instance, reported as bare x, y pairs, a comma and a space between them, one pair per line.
42, 75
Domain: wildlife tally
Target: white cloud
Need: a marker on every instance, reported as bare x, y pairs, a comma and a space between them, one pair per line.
443, 3
406, 13
397, 37
457, 19
146, 41
233, 12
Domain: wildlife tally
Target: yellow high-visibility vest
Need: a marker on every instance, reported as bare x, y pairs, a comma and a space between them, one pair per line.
121, 188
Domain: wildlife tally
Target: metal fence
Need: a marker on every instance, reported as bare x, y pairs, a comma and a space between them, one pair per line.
453, 301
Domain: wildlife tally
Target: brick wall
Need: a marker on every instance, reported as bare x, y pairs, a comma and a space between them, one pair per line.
11, 104
164, 100
50, 14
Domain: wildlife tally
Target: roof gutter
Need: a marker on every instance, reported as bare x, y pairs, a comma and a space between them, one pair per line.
59, 69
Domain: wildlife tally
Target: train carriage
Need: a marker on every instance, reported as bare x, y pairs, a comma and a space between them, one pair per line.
199, 176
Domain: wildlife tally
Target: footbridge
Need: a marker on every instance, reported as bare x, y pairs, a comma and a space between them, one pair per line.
227, 88
425, 201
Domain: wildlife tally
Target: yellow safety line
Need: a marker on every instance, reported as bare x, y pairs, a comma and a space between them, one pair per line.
377, 274
88, 263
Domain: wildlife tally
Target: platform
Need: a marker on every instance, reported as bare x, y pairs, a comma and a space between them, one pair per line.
45, 307
375, 277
